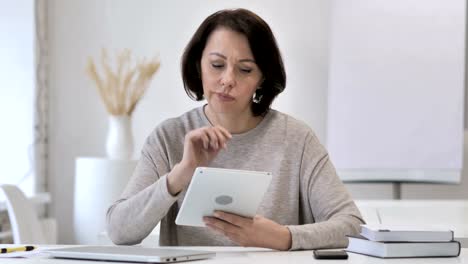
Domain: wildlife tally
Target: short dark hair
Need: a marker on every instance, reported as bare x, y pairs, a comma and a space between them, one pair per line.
262, 43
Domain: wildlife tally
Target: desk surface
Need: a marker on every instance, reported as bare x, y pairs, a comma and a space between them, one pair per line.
255, 255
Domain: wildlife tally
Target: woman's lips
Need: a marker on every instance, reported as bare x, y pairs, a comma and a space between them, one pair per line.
225, 97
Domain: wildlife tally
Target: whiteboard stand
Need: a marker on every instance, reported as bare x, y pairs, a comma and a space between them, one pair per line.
396, 190
396, 186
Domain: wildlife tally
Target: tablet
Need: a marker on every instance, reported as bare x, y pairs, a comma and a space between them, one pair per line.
234, 191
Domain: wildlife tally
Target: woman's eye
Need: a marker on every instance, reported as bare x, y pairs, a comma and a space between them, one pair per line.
217, 65
246, 70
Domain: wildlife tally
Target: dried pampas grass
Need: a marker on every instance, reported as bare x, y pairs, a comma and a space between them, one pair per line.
123, 87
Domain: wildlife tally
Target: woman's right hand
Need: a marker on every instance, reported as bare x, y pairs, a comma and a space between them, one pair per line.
200, 147
203, 144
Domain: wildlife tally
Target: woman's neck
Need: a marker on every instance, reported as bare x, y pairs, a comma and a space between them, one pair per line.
234, 123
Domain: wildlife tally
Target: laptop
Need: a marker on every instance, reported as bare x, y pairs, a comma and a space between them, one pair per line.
129, 254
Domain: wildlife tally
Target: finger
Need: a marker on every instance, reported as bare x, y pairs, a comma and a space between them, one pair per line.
221, 225
236, 220
234, 237
213, 138
198, 136
205, 140
221, 137
225, 132
215, 229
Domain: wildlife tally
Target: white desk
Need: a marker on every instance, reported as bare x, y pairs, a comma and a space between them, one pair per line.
252, 255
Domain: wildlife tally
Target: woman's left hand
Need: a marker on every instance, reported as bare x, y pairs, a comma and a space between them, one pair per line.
247, 232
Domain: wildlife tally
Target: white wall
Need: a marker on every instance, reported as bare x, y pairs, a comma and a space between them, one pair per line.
17, 93
78, 122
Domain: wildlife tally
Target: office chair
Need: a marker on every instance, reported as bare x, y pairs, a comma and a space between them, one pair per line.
26, 226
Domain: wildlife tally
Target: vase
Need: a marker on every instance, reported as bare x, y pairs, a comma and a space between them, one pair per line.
119, 144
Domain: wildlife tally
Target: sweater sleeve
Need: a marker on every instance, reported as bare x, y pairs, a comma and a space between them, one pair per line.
145, 200
333, 213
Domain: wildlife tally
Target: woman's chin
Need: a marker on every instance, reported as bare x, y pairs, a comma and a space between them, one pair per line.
218, 107
222, 107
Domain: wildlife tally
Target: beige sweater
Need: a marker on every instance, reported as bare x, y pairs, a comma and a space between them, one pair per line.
305, 193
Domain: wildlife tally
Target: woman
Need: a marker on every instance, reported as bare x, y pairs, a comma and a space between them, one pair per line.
233, 62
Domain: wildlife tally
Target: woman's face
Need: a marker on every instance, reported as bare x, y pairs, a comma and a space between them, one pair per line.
229, 73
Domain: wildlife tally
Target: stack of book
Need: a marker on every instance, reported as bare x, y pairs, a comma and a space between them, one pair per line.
404, 242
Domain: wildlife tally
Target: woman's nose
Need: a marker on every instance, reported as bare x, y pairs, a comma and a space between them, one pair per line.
228, 79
